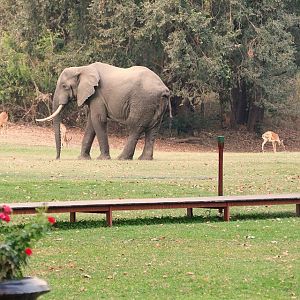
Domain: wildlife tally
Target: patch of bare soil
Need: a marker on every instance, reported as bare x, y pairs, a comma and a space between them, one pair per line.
235, 141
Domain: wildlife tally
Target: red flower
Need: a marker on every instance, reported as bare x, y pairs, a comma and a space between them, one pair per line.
4, 217
7, 210
28, 251
51, 220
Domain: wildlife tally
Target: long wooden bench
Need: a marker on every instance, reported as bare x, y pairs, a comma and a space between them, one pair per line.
108, 206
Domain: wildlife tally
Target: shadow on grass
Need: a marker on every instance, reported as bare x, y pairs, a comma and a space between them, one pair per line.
262, 216
81, 224
117, 222
135, 222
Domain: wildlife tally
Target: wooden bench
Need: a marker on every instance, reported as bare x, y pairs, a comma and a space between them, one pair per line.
108, 206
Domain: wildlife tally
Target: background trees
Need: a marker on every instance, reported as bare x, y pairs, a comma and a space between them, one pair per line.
230, 60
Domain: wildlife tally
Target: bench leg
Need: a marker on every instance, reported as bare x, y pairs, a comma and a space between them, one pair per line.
298, 210
72, 217
226, 214
189, 212
109, 218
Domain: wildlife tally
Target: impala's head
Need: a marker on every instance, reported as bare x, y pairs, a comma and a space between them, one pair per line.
281, 144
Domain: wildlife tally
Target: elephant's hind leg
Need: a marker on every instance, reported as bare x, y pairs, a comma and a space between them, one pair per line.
147, 153
129, 148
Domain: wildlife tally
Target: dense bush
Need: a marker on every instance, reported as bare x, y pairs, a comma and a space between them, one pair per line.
243, 51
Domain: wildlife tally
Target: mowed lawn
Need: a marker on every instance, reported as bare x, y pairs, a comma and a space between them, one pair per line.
160, 254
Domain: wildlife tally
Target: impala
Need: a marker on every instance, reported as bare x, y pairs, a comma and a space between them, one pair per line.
273, 138
65, 140
3, 121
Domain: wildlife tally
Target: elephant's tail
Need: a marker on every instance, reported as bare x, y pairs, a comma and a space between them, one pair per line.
166, 95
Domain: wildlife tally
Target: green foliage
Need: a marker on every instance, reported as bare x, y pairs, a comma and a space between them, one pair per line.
15, 74
189, 123
196, 47
270, 61
16, 247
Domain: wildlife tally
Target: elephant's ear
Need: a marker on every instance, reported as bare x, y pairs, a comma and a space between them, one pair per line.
89, 78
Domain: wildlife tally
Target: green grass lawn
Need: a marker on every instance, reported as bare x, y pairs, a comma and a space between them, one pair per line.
160, 254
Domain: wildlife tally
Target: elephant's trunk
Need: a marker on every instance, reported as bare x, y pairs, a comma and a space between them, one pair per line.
56, 122
56, 125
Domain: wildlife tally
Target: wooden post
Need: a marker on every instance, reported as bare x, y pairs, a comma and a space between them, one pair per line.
72, 217
220, 176
109, 218
298, 210
226, 213
189, 212
220, 171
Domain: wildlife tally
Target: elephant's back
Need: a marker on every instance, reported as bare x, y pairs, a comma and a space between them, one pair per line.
122, 83
149, 81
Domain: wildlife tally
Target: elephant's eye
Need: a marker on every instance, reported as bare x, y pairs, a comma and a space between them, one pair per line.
66, 87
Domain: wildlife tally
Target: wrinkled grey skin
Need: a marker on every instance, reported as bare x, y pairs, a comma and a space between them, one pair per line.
136, 97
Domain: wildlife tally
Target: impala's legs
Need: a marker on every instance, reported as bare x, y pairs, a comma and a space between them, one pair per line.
262, 145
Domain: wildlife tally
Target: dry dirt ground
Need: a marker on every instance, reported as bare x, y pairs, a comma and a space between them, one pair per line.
235, 141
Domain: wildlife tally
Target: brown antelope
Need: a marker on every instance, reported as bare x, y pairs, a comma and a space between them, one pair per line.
3, 121
65, 140
226, 120
272, 137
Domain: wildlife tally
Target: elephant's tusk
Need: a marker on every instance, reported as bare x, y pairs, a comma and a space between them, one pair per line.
52, 116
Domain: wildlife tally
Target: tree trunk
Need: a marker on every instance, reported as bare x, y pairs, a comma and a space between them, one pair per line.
239, 104
256, 115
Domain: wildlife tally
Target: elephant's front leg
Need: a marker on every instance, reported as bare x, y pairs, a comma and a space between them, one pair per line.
88, 138
99, 122
150, 136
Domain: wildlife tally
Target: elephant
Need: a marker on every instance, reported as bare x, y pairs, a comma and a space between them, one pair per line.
135, 97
